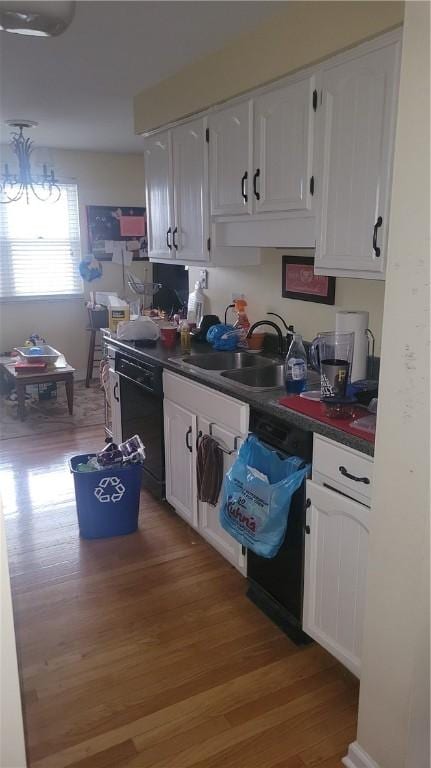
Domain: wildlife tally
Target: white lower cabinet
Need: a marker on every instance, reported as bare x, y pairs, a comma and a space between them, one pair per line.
335, 574
114, 397
209, 523
191, 411
180, 461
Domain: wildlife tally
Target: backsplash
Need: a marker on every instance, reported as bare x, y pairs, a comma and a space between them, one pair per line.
262, 287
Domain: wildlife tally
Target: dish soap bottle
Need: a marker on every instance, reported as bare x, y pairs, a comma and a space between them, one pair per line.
185, 337
295, 367
242, 322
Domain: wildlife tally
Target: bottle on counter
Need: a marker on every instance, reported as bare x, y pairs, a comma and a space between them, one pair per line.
295, 367
186, 340
196, 305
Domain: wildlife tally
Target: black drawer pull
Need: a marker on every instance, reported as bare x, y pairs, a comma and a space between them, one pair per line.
243, 192
345, 473
255, 178
378, 224
189, 432
168, 232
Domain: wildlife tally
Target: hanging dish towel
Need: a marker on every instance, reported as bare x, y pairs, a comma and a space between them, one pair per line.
209, 467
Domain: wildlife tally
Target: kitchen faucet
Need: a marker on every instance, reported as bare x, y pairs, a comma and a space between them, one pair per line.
289, 329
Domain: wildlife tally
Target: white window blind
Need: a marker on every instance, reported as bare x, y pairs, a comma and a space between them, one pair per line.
40, 247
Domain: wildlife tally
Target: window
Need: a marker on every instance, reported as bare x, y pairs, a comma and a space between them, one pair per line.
40, 247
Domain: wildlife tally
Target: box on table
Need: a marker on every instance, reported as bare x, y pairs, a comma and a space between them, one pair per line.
116, 315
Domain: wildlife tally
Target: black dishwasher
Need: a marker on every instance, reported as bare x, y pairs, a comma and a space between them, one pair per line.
141, 397
276, 584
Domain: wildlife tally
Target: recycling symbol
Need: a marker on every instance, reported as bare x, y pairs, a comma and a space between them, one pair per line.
109, 489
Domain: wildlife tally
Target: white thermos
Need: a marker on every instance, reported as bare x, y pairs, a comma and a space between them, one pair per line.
347, 321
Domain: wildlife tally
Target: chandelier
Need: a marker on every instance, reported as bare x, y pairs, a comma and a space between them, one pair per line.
14, 186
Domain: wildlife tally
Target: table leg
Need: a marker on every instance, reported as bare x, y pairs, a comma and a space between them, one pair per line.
90, 360
69, 394
20, 392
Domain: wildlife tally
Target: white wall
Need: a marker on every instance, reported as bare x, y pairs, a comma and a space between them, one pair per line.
12, 749
262, 287
299, 34
103, 179
393, 725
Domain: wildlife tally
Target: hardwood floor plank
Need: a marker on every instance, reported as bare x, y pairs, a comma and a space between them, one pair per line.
113, 757
143, 651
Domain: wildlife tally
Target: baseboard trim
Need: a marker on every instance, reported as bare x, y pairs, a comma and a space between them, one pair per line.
358, 758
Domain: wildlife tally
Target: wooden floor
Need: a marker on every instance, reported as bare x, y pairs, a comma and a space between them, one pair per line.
143, 651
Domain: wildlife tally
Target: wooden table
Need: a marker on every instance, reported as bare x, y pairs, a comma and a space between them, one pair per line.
21, 380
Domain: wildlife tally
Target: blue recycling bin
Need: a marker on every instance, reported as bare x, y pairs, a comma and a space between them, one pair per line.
107, 500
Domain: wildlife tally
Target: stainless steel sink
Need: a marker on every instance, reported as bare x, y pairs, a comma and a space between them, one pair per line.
264, 377
227, 361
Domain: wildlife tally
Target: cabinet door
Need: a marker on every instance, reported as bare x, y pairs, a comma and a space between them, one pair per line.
335, 574
191, 203
180, 460
354, 159
114, 393
158, 182
284, 121
209, 525
230, 149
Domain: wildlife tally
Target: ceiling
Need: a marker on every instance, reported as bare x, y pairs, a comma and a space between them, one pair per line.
79, 86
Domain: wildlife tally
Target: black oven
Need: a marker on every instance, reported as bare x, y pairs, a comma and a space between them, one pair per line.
141, 397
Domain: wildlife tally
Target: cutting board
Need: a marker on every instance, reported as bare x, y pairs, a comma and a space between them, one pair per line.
316, 410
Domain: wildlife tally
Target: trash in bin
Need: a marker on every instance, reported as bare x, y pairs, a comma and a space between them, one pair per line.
257, 492
132, 451
107, 495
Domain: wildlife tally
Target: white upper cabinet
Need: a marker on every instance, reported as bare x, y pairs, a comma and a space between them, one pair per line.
354, 148
304, 163
230, 133
283, 147
158, 177
190, 185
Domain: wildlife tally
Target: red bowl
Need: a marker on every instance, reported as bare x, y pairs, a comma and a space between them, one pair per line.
168, 336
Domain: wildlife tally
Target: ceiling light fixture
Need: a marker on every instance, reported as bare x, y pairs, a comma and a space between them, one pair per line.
13, 186
44, 19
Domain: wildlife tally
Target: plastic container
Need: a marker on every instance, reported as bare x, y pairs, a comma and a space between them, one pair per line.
339, 407
295, 367
168, 336
42, 353
107, 500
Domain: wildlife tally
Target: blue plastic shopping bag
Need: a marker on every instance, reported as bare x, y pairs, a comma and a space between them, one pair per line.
257, 493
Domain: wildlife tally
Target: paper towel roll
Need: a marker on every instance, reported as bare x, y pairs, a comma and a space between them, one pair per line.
357, 321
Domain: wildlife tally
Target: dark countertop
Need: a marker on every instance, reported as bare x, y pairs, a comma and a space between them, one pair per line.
263, 401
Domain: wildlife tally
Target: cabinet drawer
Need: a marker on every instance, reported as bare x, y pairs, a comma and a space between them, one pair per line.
218, 408
343, 468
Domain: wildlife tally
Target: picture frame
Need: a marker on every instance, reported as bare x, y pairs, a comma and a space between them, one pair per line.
299, 281
110, 224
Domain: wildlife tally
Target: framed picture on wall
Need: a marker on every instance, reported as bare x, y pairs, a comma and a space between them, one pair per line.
111, 227
299, 281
